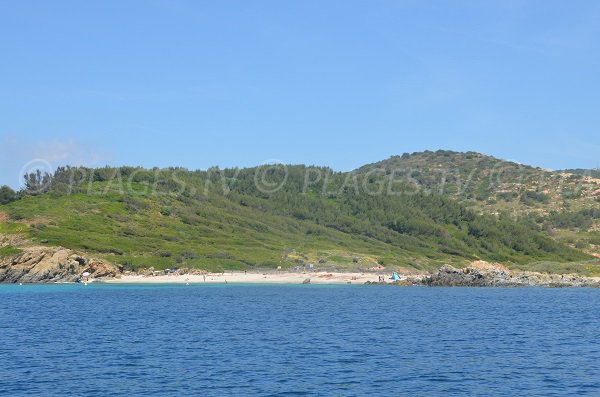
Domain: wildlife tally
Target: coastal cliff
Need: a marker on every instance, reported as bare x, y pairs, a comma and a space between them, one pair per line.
52, 264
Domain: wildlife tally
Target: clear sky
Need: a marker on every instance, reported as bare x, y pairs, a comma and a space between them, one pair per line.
338, 83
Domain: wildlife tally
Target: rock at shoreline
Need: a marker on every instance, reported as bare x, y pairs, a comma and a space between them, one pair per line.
483, 274
51, 264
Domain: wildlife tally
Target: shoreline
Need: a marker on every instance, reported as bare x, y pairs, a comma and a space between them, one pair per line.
322, 278
479, 274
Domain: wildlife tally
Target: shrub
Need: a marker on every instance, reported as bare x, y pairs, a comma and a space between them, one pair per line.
7, 195
188, 255
581, 244
530, 197
220, 255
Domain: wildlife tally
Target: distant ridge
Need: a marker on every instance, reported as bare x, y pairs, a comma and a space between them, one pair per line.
594, 172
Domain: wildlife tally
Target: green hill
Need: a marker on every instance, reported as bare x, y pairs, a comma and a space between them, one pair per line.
564, 204
490, 184
289, 216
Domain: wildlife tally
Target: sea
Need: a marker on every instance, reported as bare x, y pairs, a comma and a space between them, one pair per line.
297, 340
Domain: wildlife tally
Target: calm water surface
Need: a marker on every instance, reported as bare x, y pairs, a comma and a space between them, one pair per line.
101, 340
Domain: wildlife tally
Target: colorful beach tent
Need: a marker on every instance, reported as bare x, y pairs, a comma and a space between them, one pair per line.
395, 277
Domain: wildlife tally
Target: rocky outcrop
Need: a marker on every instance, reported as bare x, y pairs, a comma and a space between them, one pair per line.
481, 274
51, 264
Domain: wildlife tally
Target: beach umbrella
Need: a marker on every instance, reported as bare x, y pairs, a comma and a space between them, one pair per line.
86, 274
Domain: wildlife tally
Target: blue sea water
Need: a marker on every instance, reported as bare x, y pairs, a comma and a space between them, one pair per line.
268, 340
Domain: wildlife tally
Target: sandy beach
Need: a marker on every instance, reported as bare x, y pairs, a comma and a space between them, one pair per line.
252, 278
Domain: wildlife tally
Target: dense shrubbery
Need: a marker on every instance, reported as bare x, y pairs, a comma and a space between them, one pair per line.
581, 219
222, 216
594, 173
530, 197
7, 195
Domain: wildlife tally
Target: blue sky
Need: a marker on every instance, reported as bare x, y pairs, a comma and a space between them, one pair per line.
338, 83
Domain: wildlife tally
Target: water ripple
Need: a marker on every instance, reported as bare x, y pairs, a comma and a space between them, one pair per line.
297, 341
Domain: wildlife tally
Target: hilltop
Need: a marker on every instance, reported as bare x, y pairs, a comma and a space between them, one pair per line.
594, 173
411, 212
493, 185
564, 204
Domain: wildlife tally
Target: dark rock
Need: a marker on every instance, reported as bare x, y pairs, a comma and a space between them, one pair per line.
499, 276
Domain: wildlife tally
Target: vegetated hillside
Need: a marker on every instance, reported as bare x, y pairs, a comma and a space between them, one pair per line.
491, 184
594, 173
565, 205
266, 217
